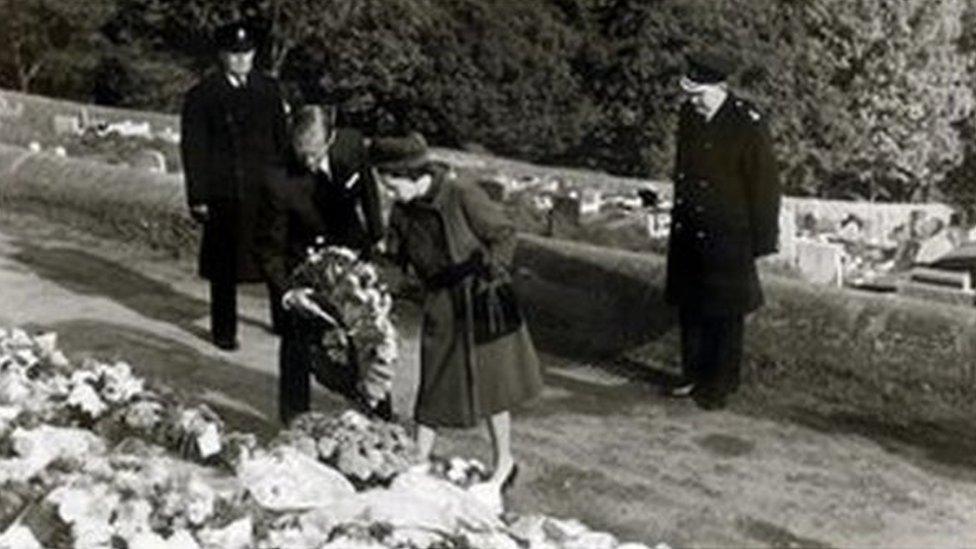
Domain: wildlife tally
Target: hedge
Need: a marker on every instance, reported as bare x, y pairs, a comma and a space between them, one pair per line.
580, 300
598, 301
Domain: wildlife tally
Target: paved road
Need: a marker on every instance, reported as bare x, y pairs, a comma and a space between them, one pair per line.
599, 446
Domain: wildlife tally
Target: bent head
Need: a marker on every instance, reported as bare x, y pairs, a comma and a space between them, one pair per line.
314, 130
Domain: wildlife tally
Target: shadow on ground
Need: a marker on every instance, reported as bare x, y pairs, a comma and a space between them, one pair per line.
88, 274
245, 398
946, 447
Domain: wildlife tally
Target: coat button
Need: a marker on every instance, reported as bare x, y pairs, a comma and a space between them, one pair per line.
702, 183
679, 201
677, 225
700, 234
699, 209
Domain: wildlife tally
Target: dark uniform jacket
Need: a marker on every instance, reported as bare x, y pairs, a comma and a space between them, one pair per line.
343, 207
348, 198
726, 209
233, 142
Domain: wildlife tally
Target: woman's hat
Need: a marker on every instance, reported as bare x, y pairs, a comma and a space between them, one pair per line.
395, 154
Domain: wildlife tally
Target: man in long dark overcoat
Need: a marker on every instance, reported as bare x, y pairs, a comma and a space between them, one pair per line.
234, 138
330, 193
725, 216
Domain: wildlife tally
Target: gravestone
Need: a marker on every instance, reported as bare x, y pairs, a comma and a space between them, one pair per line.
787, 234
658, 223
590, 202
67, 125
9, 109
148, 159
497, 190
820, 262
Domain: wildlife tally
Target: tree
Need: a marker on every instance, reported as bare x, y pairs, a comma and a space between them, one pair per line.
44, 36
890, 77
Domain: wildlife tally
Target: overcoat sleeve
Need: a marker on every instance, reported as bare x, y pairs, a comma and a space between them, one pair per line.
369, 199
271, 238
489, 222
762, 178
195, 143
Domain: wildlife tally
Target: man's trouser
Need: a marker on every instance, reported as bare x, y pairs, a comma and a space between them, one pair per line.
223, 273
711, 352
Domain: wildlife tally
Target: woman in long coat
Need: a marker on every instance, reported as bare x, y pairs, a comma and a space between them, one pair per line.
446, 229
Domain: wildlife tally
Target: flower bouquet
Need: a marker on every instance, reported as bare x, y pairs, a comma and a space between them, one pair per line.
367, 452
354, 350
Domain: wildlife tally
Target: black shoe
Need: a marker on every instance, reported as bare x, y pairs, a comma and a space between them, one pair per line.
227, 344
711, 402
384, 410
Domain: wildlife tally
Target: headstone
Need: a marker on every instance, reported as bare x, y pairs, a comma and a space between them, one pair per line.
497, 190
34, 147
542, 202
60, 151
820, 262
787, 233
169, 135
9, 109
591, 200
128, 128
67, 125
148, 159
934, 248
565, 209
658, 223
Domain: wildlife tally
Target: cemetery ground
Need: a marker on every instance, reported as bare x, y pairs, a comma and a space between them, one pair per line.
811, 460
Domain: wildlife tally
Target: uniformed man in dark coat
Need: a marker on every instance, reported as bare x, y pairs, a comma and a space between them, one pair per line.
725, 216
234, 139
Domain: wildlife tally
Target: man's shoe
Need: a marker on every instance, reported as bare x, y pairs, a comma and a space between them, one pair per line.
711, 403
227, 344
683, 390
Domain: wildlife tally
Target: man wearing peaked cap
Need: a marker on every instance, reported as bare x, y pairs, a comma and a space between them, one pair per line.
234, 140
725, 216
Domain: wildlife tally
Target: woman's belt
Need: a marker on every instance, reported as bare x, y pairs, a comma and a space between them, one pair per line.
454, 274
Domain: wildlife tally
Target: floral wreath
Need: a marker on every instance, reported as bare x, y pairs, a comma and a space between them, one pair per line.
359, 336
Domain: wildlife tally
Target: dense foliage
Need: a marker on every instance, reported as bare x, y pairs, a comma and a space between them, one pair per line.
867, 99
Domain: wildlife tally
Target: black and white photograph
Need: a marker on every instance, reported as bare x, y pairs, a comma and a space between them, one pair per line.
487, 274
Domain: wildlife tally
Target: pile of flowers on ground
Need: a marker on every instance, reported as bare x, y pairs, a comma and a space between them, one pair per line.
92, 456
364, 336
369, 453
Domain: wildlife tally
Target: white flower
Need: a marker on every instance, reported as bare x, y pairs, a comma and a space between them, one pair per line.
14, 385
199, 502
84, 397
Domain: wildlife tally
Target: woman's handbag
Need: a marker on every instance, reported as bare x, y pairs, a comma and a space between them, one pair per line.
495, 310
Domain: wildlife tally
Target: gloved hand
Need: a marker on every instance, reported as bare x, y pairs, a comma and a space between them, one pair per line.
200, 213
301, 301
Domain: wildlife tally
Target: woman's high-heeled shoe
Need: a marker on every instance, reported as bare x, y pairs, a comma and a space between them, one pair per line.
510, 478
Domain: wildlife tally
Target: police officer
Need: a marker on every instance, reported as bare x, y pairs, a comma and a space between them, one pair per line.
234, 139
725, 216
